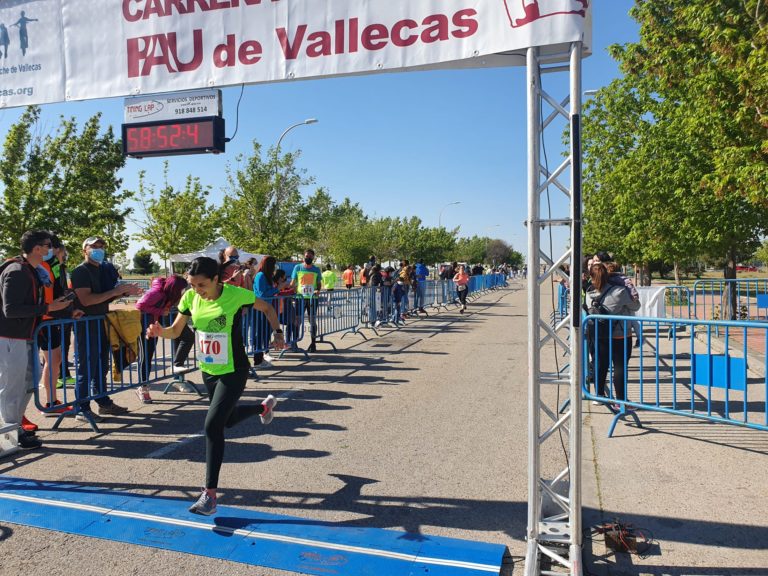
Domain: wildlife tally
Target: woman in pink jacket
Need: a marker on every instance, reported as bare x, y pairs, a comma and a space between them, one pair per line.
156, 303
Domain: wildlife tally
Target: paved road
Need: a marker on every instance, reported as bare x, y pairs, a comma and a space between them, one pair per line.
422, 430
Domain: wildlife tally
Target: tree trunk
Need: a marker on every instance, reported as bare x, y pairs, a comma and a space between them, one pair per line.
645, 275
730, 303
677, 273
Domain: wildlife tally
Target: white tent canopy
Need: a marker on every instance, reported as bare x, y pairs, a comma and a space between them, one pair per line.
212, 251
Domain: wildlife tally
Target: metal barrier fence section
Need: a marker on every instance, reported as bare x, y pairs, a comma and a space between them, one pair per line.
711, 370
257, 333
337, 311
720, 299
88, 359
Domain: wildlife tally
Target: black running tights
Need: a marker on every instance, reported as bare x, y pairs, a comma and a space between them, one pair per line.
223, 392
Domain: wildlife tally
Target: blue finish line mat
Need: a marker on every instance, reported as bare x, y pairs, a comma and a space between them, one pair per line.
269, 540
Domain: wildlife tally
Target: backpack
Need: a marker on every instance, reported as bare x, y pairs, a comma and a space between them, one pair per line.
602, 327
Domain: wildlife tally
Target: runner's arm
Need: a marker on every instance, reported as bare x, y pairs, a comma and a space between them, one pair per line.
172, 332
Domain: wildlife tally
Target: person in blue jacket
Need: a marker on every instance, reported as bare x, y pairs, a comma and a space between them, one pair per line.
422, 272
264, 288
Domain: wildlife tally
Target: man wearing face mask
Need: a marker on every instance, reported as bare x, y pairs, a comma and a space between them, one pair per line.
92, 342
231, 271
21, 307
307, 280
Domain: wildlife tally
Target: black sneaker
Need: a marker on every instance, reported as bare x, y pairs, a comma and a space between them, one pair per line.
29, 442
112, 410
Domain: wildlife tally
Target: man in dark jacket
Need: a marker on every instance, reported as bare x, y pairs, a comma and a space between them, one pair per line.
22, 306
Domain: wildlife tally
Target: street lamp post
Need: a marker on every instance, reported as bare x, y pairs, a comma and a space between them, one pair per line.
277, 165
440, 216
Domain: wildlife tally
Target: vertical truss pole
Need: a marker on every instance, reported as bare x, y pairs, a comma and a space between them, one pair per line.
554, 505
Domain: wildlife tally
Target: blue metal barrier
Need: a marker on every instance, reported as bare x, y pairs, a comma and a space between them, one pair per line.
88, 358
290, 313
692, 368
712, 300
338, 311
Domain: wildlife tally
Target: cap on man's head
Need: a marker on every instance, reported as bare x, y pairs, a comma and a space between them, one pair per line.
91, 240
603, 256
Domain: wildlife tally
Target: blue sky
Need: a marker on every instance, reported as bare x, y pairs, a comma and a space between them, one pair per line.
399, 144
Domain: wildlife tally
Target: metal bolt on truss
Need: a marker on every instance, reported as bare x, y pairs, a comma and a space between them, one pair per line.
554, 504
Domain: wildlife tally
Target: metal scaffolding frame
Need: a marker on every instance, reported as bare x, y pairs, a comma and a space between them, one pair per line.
554, 505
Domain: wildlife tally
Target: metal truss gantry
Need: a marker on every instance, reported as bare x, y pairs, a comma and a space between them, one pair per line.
554, 505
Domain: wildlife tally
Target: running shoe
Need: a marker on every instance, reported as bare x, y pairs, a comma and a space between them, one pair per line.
55, 410
143, 393
29, 442
112, 410
82, 417
205, 505
269, 409
27, 425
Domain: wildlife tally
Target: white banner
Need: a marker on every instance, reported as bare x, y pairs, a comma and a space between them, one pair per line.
56, 50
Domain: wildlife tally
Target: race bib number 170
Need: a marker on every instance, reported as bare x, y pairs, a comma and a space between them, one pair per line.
212, 347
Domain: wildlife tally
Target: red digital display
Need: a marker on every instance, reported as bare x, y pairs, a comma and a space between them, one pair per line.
166, 138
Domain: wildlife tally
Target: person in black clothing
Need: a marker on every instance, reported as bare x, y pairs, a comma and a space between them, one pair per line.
91, 337
22, 305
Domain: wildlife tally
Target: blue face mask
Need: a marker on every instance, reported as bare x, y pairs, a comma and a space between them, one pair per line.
49, 255
97, 255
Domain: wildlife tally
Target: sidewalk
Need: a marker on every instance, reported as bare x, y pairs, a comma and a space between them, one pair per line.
700, 489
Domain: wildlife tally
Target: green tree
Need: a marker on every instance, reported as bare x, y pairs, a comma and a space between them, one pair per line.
143, 263
262, 203
471, 250
177, 221
500, 252
66, 182
675, 161
320, 216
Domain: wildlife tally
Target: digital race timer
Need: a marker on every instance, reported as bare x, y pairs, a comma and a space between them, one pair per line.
170, 137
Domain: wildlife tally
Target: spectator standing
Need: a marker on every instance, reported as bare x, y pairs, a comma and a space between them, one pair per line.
264, 288
91, 337
156, 303
365, 273
20, 313
232, 272
50, 339
216, 312
421, 272
606, 298
251, 268
404, 274
329, 278
286, 307
306, 279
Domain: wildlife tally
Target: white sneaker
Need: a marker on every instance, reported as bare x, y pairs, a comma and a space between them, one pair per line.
268, 358
269, 409
182, 387
182, 369
596, 403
